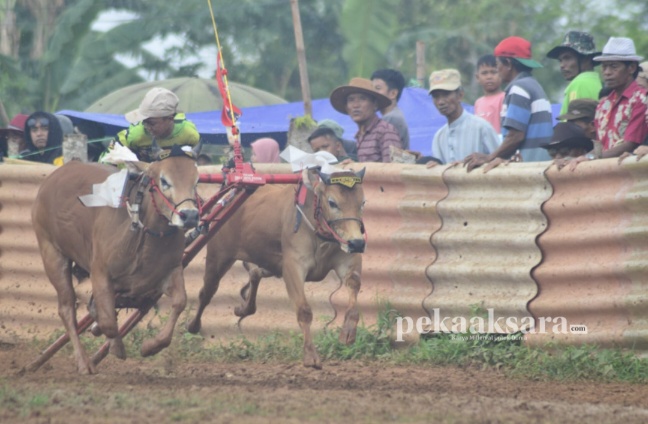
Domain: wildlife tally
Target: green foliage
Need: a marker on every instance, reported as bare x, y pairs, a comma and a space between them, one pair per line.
368, 27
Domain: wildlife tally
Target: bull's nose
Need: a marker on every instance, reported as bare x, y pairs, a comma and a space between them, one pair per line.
356, 246
189, 217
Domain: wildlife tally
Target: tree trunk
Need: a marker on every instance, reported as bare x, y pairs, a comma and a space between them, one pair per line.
9, 34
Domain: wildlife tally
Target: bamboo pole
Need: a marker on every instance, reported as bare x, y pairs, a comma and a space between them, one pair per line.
301, 58
420, 63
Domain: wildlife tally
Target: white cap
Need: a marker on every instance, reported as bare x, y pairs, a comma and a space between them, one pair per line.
157, 103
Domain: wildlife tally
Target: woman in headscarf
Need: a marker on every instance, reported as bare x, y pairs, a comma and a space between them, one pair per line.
265, 150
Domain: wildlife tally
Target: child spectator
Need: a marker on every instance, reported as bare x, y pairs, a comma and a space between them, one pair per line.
489, 106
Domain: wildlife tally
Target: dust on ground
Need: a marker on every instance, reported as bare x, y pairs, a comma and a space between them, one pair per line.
168, 389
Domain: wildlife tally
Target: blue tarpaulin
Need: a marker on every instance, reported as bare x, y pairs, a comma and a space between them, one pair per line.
273, 121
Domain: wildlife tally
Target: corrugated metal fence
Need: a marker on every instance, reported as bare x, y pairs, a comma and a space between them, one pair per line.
522, 245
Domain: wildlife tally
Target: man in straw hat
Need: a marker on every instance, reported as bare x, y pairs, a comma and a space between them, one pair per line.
526, 112
575, 56
360, 101
621, 115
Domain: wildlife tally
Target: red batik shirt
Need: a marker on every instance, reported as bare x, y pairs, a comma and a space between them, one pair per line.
622, 117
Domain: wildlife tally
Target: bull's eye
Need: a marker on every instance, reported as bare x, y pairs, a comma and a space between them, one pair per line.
332, 204
164, 183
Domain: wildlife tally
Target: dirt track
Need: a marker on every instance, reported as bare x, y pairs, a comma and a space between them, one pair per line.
164, 389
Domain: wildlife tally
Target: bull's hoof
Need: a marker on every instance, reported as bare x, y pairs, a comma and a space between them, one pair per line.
194, 326
244, 311
348, 335
117, 348
95, 330
312, 359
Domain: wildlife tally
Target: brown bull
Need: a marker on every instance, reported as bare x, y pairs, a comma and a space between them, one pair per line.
329, 237
132, 258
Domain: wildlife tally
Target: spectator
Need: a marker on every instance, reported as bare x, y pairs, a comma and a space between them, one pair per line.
621, 115
489, 106
464, 133
325, 139
581, 112
43, 139
390, 83
576, 65
350, 146
156, 124
642, 77
526, 120
12, 138
265, 150
361, 101
568, 141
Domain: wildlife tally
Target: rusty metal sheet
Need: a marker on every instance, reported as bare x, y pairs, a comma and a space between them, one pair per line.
486, 247
582, 277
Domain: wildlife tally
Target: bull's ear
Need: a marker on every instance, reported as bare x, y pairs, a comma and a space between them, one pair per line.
136, 167
310, 178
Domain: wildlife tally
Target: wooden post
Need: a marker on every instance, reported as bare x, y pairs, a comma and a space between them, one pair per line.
75, 147
301, 58
421, 75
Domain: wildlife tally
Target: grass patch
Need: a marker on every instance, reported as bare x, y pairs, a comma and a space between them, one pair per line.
375, 343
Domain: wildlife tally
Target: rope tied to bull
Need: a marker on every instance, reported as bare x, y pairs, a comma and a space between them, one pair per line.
144, 181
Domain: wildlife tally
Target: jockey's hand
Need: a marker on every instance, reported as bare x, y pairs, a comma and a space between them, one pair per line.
346, 162
431, 164
475, 160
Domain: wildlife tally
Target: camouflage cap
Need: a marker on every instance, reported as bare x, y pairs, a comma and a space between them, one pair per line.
579, 109
578, 41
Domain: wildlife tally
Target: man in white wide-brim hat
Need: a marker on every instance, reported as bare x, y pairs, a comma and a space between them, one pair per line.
621, 115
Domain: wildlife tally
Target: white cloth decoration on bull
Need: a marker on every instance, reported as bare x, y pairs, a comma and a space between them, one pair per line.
107, 193
299, 160
119, 155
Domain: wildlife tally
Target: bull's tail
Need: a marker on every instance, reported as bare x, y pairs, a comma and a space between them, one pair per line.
331, 303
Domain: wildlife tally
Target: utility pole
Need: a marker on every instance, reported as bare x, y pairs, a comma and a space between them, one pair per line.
301, 58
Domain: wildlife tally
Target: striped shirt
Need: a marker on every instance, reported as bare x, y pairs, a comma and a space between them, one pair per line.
466, 135
527, 109
373, 145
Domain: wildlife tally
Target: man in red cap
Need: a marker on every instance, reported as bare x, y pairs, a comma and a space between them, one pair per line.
12, 138
526, 112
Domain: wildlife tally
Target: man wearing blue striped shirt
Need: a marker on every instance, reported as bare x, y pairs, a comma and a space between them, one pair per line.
464, 133
526, 113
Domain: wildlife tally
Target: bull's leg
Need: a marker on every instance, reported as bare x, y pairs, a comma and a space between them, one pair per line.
104, 300
249, 292
58, 270
215, 268
351, 279
176, 291
294, 278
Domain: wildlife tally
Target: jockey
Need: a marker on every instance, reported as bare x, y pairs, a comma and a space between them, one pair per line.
156, 125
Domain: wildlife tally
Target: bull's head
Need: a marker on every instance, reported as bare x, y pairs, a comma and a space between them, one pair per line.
174, 179
341, 200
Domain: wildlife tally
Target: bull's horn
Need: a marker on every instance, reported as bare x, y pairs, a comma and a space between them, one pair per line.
325, 177
361, 173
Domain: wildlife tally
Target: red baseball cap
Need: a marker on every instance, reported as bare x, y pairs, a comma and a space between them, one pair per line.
17, 124
518, 48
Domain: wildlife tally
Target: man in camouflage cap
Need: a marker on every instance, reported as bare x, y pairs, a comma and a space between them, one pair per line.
575, 55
